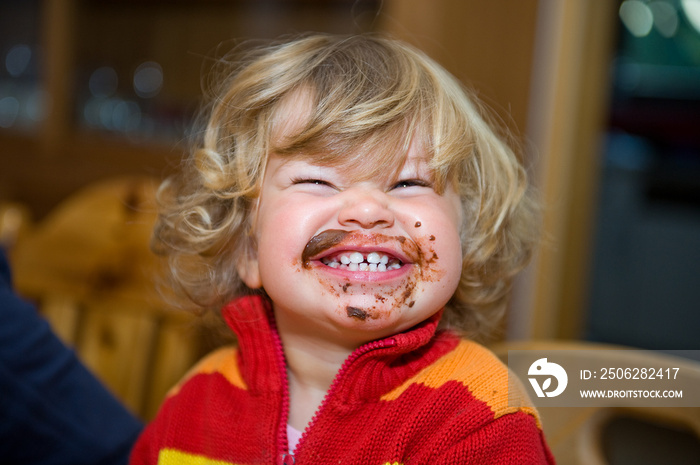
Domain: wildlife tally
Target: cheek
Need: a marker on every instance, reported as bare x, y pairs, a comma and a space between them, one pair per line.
283, 232
451, 250
451, 236
273, 242
442, 249
442, 252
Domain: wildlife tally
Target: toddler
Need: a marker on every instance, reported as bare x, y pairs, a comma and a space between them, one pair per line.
348, 210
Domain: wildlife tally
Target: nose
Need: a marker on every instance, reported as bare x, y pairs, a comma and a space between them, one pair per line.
366, 207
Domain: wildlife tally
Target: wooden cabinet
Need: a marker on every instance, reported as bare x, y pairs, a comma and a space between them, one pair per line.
115, 83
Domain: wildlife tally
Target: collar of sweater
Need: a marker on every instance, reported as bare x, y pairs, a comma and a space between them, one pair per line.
371, 371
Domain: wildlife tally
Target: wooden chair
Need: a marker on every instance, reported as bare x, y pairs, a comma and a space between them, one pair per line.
15, 220
615, 435
89, 268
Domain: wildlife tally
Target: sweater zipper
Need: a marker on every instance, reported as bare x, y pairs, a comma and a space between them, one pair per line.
357, 353
283, 453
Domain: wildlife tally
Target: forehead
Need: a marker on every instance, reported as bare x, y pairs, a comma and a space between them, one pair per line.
414, 166
300, 131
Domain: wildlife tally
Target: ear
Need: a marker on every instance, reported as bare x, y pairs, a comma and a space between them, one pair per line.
248, 269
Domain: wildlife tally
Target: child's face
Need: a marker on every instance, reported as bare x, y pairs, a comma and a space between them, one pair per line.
315, 223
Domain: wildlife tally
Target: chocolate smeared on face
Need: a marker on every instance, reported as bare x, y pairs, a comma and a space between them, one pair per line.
419, 254
320, 242
333, 237
354, 312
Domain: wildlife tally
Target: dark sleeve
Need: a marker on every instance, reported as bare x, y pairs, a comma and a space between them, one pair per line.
54, 411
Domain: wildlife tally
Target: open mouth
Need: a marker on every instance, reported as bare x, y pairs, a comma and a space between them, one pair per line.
359, 261
353, 251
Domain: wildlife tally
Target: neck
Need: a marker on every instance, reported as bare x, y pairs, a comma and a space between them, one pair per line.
312, 365
309, 376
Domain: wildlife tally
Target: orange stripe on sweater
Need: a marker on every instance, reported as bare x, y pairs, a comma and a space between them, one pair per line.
223, 361
482, 373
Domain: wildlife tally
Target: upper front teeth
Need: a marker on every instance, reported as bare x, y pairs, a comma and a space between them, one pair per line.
356, 261
357, 257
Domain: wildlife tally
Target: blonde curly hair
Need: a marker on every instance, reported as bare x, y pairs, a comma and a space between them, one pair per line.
371, 96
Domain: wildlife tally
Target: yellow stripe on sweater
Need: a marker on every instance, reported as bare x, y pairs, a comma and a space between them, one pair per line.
176, 457
481, 372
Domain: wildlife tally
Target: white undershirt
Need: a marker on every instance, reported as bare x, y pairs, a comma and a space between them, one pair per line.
293, 437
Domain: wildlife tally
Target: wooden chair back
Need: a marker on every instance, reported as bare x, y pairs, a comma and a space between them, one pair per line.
89, 268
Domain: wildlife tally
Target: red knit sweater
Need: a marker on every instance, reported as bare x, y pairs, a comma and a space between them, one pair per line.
418, 397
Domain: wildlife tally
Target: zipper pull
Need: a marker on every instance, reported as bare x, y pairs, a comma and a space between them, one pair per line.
287, 459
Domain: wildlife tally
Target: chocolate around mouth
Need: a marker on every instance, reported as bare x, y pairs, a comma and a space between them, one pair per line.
332, 237
320, 242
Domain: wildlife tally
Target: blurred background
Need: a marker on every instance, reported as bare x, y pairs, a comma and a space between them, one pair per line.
604, 97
